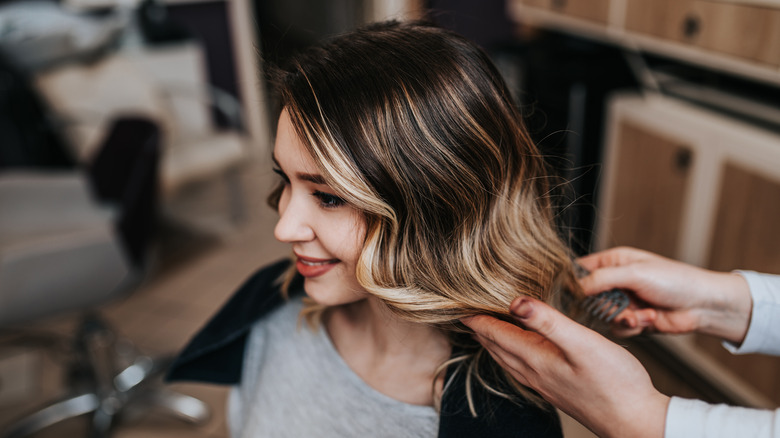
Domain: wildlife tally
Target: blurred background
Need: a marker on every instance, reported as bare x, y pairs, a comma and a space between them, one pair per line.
135, 140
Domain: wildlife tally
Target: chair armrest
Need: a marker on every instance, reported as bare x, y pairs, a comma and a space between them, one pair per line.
37, 204
214, 97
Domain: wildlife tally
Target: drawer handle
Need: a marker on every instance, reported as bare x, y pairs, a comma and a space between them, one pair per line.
559, 4
691, 26
682, 159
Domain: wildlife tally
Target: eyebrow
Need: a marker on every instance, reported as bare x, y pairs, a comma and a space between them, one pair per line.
313, 178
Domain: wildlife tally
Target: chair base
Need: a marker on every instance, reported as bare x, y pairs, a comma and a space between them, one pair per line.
110, 397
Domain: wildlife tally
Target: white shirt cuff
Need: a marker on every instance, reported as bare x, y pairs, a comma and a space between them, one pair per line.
763, 335
696, 419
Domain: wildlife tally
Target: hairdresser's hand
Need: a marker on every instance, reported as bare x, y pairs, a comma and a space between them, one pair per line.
670, 296
592, 379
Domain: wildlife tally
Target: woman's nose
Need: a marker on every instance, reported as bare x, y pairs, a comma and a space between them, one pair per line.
292, 225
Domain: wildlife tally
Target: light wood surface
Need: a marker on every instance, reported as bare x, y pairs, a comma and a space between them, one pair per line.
649, 190
592, 10
745, 31
736, 37
746, 237
746, 234
660, 18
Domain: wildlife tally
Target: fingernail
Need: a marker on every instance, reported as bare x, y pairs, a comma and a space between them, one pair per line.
521, 308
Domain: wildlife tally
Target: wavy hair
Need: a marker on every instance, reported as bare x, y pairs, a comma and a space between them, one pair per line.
415, 128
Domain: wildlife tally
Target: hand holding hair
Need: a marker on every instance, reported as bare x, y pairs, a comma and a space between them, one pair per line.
669, 296
592, 379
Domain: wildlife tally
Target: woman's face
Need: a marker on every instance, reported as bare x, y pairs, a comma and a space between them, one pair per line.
326, 234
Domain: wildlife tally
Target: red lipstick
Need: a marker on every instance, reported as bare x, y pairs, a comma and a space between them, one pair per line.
312, 267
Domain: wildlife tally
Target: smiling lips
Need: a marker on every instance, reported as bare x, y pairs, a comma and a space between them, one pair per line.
310, 267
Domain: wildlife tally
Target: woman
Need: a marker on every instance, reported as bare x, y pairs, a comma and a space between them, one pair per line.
412, 197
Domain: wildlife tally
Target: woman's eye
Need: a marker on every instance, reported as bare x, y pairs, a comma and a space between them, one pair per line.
329, 201
282, 175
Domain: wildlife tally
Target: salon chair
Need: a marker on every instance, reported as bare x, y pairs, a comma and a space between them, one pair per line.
71, 241
168, 84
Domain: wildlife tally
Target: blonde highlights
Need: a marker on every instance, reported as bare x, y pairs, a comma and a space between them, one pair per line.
415, 128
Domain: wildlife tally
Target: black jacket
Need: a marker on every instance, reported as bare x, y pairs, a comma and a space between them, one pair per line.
215, 355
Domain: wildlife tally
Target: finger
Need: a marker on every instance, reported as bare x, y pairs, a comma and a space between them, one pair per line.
599, 259
608, 278
646, 317
569, 336
618, 256
635, 321
626, 324
519, 369
515, 344
495, 330
526, 361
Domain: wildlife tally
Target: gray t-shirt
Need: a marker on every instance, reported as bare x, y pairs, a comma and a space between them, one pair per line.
295, 384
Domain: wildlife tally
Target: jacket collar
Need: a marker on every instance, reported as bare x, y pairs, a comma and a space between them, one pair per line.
216, 352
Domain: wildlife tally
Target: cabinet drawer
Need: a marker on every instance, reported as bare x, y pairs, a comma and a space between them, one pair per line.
748, 213
592, 10
668, 19
649, 190
754, 243
746, 31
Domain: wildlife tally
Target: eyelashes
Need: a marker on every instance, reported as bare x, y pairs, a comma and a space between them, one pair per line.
326, 200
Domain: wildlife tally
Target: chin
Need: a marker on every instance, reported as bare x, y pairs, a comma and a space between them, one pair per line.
330, 294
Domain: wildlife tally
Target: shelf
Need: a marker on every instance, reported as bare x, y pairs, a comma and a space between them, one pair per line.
613, 33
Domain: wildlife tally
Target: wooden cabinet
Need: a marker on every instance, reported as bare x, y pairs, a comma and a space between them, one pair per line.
650, 185
745, 31
746, 235
667, 19
735, 36
741, 30
703, 188
747, 221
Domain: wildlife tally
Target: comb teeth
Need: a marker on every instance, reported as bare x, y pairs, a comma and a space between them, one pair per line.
606, 305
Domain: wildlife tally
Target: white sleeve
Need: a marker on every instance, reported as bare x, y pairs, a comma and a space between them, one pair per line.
763, 334
696, 419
